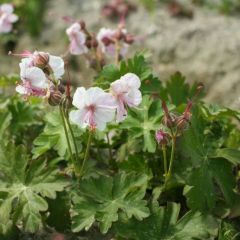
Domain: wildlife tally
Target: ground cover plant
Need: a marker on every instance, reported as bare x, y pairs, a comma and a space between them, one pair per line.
130, 157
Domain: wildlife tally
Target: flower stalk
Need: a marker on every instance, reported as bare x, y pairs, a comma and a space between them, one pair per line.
86, 152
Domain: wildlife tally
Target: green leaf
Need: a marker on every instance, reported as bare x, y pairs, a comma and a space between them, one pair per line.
53, 136
137, 65
143, 122
177, 90
232, 155
102, 199
163, 223
228, 231
197, 146
212, 172
23, 186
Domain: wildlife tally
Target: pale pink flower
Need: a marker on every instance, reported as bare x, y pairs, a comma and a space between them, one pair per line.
77, 39
162, 137
127, 94
106, 37
54, 64
95, 108
7, 18
34, 80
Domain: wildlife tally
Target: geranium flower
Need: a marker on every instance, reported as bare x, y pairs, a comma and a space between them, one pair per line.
107, 38
34, 80
77, 39
162, 137
95, 108
126, 92
48, 63
7, 18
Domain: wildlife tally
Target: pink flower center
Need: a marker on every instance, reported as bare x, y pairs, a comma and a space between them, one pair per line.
89, 118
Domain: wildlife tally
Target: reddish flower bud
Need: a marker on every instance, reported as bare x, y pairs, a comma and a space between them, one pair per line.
162, 137
61, 88
167, 119
40, 59
55, 98
119, 35
82, 24
183, 120
94, 43
88, 43
107, 41
129, 39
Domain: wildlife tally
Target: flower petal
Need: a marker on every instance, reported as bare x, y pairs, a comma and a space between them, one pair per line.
57, 65
132, 80
79, 97
78, 117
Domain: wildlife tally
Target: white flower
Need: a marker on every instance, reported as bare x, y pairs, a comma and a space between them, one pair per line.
126, 92
77, 39
95, 108
7, 18
45, 60
106, 38
34, 81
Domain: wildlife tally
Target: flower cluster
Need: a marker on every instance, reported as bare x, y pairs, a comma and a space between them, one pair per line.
113, 40
40, 73
108, 41
7, 18
97, 107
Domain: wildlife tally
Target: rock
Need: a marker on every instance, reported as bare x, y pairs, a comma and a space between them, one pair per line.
205, 48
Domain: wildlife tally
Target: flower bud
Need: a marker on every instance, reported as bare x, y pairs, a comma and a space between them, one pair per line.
82, 24
94, 43
106, 41
41, 59
129, 39
55, 98
119, 34
183, 120
88, 43
162, 137
61, 88
168, 120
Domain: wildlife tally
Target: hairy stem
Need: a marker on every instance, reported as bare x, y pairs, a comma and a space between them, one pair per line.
86, 152
117, 53
109, 148
164, 150
72, 135
66, 133
172, 156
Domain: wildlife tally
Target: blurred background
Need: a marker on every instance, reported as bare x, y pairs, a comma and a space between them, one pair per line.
199, 38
